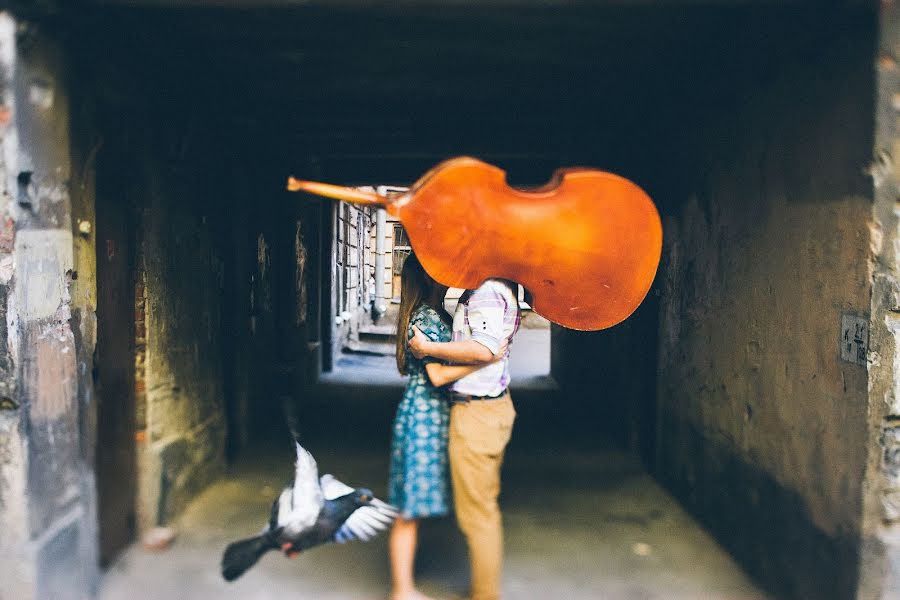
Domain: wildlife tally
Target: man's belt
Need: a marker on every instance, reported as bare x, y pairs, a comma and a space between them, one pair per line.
467, 397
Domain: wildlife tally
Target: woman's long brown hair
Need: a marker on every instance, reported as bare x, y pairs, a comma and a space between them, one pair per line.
416, 287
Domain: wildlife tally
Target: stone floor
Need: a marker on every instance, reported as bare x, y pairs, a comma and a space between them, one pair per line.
581, 523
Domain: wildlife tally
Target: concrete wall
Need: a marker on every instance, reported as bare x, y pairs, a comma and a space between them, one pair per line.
47, 496
189, 259
161, 156
880, 556
183, 279
762, 425
182, 243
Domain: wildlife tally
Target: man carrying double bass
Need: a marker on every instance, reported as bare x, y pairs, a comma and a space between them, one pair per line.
481, 421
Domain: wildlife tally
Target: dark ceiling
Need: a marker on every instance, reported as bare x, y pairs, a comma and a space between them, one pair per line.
553, 84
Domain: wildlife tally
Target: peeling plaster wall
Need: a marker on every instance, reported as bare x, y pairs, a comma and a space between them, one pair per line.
17, 571
762, 425
880, 556
47, 500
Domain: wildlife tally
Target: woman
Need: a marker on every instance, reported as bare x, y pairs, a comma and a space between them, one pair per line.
419, 478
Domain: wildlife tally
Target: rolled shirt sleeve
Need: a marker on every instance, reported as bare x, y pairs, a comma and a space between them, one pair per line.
488, 315
485, 314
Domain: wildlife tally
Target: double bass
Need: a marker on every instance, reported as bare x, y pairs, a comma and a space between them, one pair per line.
586, 245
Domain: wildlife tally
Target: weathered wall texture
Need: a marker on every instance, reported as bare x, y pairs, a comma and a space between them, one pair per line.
183, 281
18, 570
47, 499
200, 265
83, 299
880, 557
762, 426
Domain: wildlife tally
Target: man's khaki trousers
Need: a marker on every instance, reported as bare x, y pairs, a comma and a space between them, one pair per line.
479, 432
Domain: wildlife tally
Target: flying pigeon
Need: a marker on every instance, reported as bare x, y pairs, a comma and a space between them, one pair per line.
313, 512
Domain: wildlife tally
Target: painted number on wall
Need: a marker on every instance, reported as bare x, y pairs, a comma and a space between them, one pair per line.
854, 338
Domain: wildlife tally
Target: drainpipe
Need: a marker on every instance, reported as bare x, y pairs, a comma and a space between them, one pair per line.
378, 307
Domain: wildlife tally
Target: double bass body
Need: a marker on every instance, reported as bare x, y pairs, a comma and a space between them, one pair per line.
586, 245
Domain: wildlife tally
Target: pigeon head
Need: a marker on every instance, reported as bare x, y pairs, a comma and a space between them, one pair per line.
363, 496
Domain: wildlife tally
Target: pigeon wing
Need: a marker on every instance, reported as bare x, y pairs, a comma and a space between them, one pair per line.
333, 489
306, 498
365, 522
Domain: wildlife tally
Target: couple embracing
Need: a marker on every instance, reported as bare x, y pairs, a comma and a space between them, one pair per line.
454, 422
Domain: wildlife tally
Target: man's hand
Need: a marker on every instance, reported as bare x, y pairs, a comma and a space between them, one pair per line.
418, 343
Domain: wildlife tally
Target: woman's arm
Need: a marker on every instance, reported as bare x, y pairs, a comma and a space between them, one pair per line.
467, 352
440, 375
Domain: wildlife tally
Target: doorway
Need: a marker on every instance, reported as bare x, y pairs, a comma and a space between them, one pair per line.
115, 367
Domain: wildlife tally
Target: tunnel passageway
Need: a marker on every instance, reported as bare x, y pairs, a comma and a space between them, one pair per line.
580, 523
165, 297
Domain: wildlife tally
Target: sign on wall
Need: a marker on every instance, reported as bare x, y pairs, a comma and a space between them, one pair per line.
854, 338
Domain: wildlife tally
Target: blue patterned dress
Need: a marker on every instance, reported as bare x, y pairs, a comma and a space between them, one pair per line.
419, 476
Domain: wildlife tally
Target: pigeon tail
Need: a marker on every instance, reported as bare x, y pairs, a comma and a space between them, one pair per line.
243, 554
